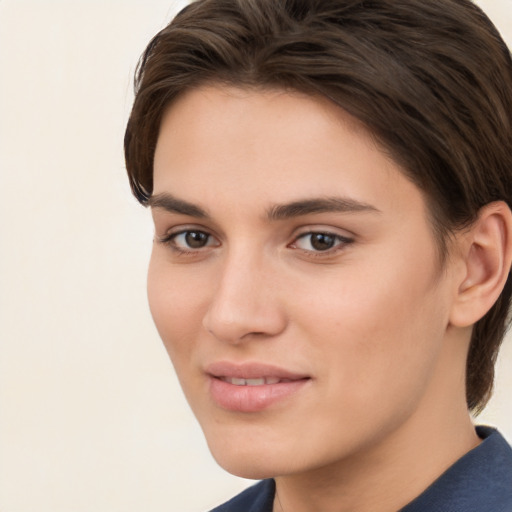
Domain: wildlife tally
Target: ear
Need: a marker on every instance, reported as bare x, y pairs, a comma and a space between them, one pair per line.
486, 252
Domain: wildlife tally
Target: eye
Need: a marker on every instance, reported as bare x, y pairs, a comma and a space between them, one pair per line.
320, 241
190, 240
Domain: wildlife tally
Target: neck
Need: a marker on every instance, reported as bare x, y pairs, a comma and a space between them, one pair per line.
384, 480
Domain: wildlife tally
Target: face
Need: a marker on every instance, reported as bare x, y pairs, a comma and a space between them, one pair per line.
294, 280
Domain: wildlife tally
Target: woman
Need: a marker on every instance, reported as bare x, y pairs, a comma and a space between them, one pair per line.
330, 186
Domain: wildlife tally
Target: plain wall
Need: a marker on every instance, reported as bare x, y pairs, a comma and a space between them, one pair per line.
91, 415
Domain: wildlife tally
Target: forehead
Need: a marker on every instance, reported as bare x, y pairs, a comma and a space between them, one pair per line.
259, 147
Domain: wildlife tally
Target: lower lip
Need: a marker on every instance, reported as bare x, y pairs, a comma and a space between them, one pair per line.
252, 398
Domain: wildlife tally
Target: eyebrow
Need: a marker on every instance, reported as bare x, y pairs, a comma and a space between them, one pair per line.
319, 205
174, 205
275, 213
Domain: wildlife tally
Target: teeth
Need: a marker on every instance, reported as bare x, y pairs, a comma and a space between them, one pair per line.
253, 382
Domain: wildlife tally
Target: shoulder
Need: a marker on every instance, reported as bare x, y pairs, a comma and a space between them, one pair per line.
257, 498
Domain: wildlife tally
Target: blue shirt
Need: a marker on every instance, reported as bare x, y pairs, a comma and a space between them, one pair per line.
480, 481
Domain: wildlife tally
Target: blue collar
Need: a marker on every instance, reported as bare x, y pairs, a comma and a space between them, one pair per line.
479, 481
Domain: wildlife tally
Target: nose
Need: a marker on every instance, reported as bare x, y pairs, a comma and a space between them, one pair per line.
245, 303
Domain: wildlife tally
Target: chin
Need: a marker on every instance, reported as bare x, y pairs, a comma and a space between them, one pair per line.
248, 465
255, 456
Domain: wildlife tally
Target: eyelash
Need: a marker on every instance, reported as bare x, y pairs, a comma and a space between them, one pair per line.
340, 243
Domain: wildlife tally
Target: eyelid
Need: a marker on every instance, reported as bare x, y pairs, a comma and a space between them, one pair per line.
169, 230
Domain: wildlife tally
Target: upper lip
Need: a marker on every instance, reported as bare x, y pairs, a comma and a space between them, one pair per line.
251, 370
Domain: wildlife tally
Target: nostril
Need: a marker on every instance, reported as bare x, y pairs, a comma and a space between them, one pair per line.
243, 327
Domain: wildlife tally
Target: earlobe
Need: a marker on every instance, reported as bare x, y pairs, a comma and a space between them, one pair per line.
487, 256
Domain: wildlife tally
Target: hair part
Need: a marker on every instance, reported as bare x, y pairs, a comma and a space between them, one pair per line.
431, 81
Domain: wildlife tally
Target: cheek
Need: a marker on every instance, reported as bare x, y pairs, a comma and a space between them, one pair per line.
382, 330
175, 304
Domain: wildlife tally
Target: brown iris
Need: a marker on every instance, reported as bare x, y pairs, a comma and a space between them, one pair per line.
322, 241
196, 239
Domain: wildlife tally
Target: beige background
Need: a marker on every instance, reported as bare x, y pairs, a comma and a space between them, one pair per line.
91, 416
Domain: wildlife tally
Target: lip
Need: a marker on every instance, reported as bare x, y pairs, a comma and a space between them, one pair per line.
252, 398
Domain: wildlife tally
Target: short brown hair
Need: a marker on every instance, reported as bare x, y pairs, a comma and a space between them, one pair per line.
431, 80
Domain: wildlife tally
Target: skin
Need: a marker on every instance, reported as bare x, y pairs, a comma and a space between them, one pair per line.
370, 320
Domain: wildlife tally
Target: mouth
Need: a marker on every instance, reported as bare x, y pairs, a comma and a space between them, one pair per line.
252, 387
